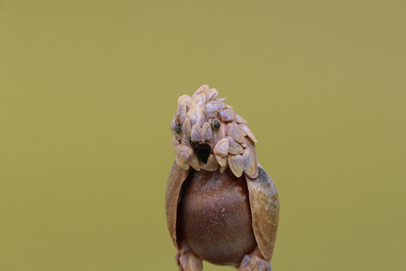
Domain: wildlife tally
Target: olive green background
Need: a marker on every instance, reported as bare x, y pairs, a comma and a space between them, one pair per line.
88, 90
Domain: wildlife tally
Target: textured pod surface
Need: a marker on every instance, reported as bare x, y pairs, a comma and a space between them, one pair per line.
216, 218
211, 193
231, 205
175, 180
204, 119
264, 202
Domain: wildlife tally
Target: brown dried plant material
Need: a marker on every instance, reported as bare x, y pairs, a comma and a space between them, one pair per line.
221, 205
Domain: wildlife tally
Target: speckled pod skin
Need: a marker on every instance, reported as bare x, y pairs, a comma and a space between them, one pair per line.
221, 205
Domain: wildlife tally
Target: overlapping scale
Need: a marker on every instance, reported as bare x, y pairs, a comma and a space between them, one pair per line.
184, 98
234, 147
201, 117
230, 143
236, 163
197, 134
211, 165
186, 127
248, 131
235, 133
222, 148
226, 115
250, 163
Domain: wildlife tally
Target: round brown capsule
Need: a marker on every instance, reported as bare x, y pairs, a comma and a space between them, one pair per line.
216, 217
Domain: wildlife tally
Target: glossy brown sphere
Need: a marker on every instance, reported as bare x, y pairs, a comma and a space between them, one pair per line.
215, 217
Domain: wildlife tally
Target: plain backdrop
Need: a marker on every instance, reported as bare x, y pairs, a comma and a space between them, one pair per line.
88, 90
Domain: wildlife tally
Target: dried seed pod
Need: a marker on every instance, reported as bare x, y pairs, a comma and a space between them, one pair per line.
209, 137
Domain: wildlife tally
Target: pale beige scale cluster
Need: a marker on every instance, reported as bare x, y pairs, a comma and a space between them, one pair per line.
204, 123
